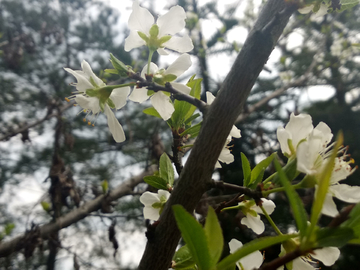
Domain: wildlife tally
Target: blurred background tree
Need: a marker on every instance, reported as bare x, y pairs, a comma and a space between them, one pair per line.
43, 140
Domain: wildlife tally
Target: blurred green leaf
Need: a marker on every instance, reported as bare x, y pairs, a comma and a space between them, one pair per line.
156, 182
246, 169
333, 237
166, 170
214, 236
257, 173
182, 259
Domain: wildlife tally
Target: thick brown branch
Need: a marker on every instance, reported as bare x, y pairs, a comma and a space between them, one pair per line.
218, 121
16, 244
275, 264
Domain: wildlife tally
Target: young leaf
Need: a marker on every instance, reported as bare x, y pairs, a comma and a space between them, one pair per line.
166, 170
257, 244
156, 182
258, 172
151, 111
194, 236
246, 169
294, 199
354, 221
323, 186
214, 236
119, 66
182, 259
192, 131
191, 118
333, 237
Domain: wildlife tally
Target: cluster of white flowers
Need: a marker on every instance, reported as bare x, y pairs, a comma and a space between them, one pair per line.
311, 147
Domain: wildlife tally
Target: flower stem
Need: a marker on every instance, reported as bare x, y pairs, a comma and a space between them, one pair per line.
272, 223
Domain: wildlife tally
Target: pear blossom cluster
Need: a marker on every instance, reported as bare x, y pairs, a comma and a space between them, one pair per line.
311, 147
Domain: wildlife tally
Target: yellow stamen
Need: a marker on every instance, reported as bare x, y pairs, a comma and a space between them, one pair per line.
84, 120
68, 100
89, 123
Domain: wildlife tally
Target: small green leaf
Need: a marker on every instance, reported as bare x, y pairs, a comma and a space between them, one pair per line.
46, 206
166, 170
192, 131
333, 237
151, 111
194, 236
354, 221
296, 204
290, 171
192, 118
248, 248
105, 186
119, 66
156, 182
111, 71
323, 186
214, 236
347, 4
258, 172
182, 259
9, 228
246, 170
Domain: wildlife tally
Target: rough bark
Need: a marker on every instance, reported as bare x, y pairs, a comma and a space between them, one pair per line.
221, 115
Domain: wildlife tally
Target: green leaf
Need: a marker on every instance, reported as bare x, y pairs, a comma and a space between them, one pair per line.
182, 259
119, 66
333, 237
191, 118
192, 131
105, 186
156, 182
354, 221
9, 228
296, 204
183, 109
290, 171
111, 71
151, 111
214, 236
347, 4
257, 244
258, 172
246, 169
166, 170
194, 236
323, 186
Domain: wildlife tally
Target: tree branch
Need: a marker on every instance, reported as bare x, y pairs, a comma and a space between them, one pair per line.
218, 121
18, 243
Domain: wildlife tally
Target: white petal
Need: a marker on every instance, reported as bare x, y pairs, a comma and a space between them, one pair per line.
140, 19
164, 193
268, 205
300, 264
341, 171
307, 154
180, 65
172, 22
151, 213
235, 132
283, 136
346, 193
234, 245
114, 125
133, 41
119, 96
299, 127
181, 87
82, 81
89, 73
209, 98
149, 198
217, 165
254, 223
306, 10
153, 69
327, 255
226, 156
161, 51
322, 10
326, 132
180, 44
329, 207
139, 95
252, 261
163, 105
88, 103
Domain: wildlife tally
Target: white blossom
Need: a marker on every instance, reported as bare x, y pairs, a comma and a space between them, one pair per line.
161, 101
93, 97
252, 261
252, 218
154, 203
159, 35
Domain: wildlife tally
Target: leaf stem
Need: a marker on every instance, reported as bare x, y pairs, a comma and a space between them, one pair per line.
272, 223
